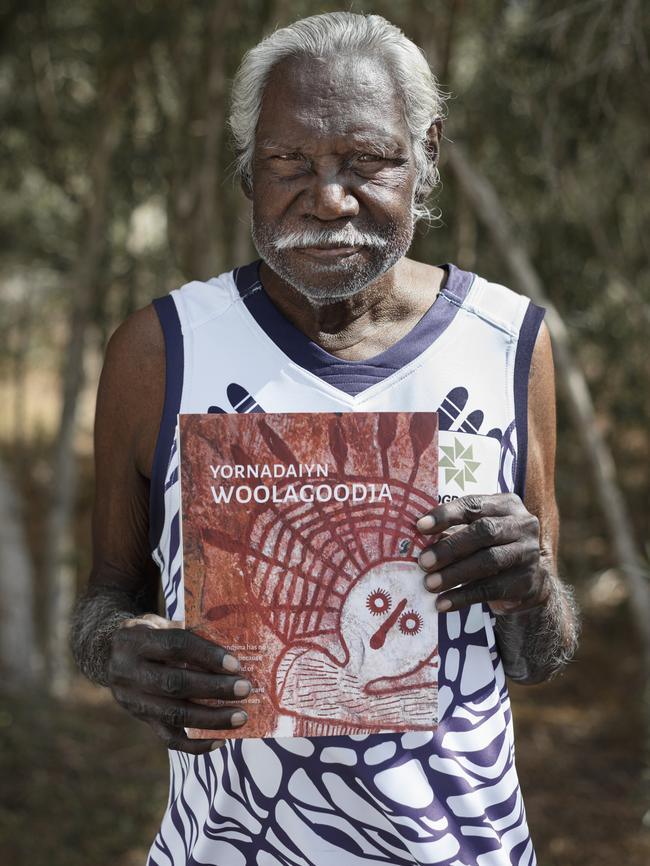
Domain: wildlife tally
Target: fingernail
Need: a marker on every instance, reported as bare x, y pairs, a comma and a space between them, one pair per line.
443, 604
241, 688
230, 663
237, 719
217, 744
427, 559
425, 523
433, 581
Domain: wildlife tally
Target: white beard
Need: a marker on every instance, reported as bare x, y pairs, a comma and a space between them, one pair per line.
344, 277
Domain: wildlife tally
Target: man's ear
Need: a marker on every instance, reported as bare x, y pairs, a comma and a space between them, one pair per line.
434, 137
246, 186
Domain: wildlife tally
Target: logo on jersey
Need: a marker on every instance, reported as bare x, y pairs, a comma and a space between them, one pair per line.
240, 399
459, 464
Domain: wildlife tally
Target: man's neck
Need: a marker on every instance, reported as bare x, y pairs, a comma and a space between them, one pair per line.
368, 323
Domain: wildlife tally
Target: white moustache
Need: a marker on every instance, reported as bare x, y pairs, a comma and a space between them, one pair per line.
347, 237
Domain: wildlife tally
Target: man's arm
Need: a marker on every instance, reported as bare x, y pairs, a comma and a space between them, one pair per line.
504, 551
537, 644
123, 581
117, 638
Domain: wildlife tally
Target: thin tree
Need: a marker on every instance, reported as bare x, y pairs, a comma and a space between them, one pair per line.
20, 658
524, 277
60, 573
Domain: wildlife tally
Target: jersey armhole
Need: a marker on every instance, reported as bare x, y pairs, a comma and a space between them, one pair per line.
525, 345
174, 363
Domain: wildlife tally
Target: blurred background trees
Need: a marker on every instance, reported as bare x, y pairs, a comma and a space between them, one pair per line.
117, 185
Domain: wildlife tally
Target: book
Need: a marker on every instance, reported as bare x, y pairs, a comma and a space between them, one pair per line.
300, 557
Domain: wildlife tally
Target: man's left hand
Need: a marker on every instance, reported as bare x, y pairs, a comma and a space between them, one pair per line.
488, 549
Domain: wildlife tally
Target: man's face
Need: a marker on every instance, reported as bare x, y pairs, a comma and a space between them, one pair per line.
333, 176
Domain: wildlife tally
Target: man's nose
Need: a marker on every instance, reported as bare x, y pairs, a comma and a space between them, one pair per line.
332, 200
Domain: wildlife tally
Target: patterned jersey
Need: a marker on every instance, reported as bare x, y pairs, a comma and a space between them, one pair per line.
449, 796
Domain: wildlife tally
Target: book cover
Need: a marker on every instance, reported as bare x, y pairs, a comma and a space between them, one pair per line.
300, 557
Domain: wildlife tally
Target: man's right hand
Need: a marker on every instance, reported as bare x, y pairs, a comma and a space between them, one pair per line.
148, 677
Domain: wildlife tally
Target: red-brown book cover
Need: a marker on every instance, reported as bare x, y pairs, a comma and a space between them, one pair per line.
300, 557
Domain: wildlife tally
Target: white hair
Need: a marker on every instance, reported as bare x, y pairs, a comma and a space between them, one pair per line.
329, 35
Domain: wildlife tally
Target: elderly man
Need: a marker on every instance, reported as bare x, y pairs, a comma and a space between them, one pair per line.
337, 127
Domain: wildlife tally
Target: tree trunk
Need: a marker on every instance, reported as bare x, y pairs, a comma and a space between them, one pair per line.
465, 231
20, 657
60, 551
207, 225
20, 353
491, 213
197, 206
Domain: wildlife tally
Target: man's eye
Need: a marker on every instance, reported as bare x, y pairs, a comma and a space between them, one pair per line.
288, 157
369, 157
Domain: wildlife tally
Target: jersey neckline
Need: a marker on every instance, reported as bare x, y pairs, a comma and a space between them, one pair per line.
352, 377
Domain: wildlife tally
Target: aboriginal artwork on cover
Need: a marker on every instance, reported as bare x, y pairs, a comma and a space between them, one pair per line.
300, 557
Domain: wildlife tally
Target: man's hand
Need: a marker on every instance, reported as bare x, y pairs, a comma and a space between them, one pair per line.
497, 550
155, 669
488, 547
148, 676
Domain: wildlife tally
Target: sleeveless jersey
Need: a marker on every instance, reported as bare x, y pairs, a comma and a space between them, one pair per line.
448, 796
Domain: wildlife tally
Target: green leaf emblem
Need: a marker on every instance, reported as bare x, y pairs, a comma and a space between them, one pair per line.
459, 464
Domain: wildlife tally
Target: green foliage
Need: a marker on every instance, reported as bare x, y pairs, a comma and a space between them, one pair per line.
549, 99
551, 102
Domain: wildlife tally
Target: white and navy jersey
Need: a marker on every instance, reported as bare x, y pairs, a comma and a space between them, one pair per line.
448, 796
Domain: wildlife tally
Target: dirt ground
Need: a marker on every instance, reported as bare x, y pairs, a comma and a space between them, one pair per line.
86, 785
580, 753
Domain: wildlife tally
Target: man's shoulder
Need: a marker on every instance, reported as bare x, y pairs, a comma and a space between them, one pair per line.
199, 301
140, 338
498, 305
139, 335
135, 354
132, 385
494, 304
